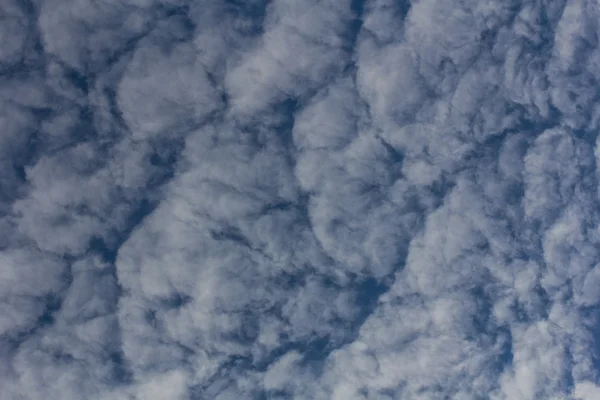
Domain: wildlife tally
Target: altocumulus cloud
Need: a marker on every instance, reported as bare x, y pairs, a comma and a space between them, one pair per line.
323, 199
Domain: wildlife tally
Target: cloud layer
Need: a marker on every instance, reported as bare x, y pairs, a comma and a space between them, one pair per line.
299, 200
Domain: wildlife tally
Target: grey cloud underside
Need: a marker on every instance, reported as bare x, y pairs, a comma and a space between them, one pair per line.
299, 200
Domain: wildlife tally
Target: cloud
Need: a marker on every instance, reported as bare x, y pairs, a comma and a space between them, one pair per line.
307, 200
13, 35
302, 46
586, 390
165, 90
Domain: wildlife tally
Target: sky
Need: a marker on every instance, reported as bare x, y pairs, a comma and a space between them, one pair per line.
312, 200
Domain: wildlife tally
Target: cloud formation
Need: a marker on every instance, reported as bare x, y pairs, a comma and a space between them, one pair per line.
299, 200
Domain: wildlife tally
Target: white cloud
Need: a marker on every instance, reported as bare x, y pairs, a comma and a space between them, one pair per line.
586, 391
164, 91
308, 200
300, 49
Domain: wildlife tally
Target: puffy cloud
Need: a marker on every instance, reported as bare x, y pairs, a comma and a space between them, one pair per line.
302, 46
308, 200
28, 276
164, 91
586, 390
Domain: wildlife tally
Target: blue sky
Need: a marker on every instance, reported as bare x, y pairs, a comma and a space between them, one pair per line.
299, 200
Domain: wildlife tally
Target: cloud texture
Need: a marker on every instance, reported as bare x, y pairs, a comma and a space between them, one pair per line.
299, 200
